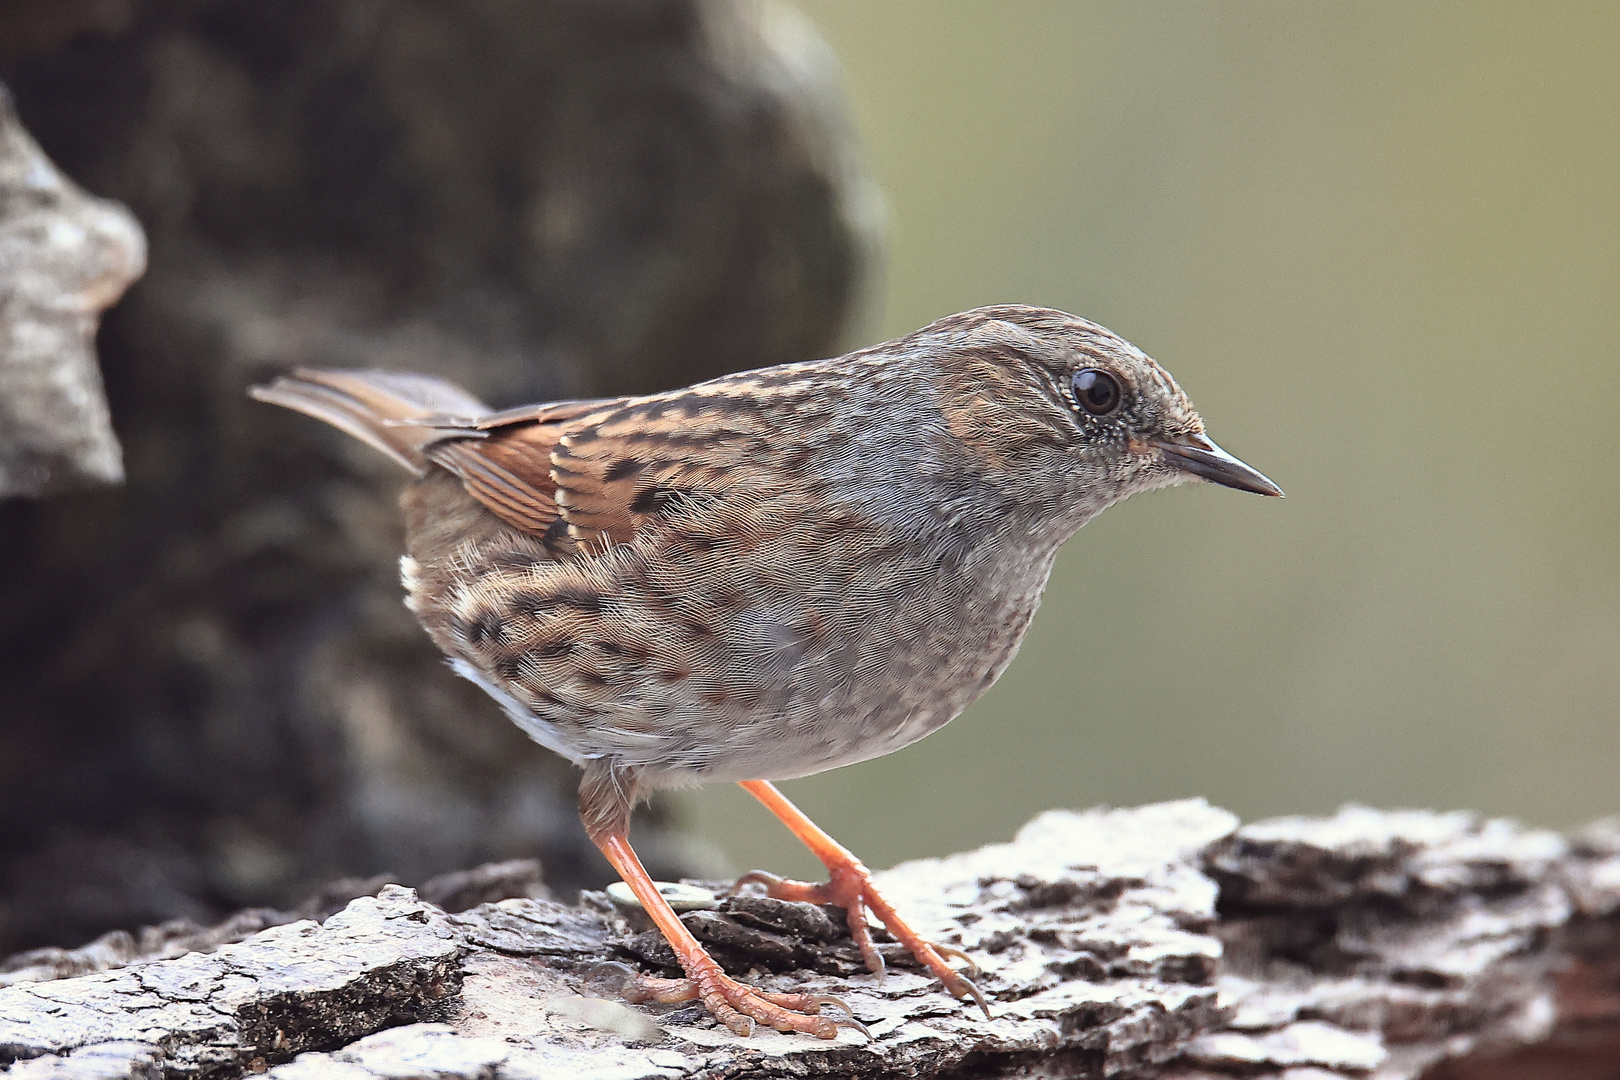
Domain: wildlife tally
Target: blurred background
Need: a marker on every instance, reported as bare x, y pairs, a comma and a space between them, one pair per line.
1378, 244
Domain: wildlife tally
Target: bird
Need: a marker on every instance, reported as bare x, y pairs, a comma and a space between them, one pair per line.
769, 574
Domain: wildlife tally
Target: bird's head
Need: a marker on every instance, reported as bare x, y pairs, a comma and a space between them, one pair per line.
1067, 415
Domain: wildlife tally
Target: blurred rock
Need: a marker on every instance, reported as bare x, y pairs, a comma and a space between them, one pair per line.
64, 258
36, 25
210, 694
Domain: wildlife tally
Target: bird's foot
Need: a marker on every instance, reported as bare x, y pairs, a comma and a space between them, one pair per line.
739, 1006
850, 887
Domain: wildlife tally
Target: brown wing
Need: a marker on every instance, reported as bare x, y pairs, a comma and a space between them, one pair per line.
567, 472
504, 461
652, 457
601, 469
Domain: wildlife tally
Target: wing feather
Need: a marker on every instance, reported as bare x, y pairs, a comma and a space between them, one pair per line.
606, 468
505, 460
508, 495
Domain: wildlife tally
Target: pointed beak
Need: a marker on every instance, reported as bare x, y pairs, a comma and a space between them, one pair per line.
1200, 456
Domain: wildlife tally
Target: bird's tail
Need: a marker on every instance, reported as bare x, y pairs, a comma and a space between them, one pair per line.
399, 413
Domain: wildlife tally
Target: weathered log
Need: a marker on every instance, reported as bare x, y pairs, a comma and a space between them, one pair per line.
1164, 941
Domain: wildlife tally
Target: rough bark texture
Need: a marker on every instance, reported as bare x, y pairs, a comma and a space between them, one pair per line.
210, 694
1159, 942
64, 258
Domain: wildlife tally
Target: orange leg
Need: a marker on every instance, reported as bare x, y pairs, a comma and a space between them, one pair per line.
606, 794
850, 887
732, 1003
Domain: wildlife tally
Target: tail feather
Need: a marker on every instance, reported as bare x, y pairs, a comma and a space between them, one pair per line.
399, 413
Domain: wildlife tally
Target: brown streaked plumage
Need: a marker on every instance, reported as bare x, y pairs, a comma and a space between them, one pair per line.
769, 574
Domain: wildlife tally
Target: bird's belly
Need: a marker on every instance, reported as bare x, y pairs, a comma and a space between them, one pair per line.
803, 677
881, 686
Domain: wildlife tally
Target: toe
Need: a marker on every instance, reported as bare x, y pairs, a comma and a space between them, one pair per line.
645, 988
738, 1023
739, 1007
780, 888
962, 987
783, 1019
954, 953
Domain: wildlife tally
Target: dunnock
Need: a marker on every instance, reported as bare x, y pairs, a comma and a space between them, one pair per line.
770, 574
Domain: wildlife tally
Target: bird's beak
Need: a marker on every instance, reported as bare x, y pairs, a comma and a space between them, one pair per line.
1200, 456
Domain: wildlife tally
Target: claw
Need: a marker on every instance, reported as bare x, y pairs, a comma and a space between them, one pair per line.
809, 1003
968, 988
959, 985
816, 1001
957, 954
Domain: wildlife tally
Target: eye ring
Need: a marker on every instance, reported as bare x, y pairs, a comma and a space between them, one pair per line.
1096, 391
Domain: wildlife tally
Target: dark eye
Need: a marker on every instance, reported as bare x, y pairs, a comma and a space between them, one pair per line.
1096, 391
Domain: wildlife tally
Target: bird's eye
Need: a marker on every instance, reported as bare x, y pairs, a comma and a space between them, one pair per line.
1096, 391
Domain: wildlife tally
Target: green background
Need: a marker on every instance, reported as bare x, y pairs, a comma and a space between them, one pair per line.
1379, 245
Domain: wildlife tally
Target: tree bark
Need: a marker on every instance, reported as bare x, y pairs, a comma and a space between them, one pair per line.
1164, 941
